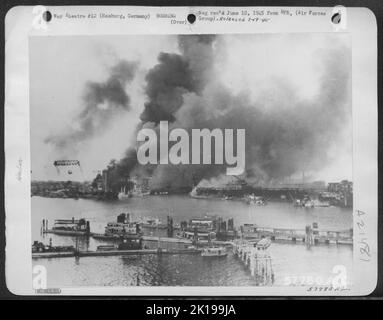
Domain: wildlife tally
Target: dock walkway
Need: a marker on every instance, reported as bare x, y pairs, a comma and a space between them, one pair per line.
166, 239
310, 236
106, 253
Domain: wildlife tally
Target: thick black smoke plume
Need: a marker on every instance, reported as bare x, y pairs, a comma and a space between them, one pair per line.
167, 83
175, 75
102, 102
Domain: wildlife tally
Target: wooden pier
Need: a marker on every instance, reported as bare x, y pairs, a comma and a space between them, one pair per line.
167, 239
311, 235
101, 253
136, 252
47, 255
255, 256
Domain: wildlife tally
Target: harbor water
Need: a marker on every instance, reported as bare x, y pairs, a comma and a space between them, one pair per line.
293, 264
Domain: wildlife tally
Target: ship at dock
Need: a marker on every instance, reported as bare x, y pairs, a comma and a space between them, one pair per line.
70, 227
123, 229
199, 230
207, 229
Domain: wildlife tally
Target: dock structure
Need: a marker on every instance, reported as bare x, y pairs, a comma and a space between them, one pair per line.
166, 243
48, 255
255, 256
136, 252
311, 235
167, 239
101, 253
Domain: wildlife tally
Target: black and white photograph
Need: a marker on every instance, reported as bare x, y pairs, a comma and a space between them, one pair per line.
103, 217
217, 160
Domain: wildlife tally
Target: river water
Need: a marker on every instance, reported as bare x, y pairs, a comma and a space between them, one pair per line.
292, 263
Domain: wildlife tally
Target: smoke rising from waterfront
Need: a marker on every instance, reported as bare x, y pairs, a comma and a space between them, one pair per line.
167, 83
286, 132
284, 135
292, 134
102, 103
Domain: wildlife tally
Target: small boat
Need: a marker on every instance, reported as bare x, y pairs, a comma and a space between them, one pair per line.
257, 200
263, 244
214, 252
318, 203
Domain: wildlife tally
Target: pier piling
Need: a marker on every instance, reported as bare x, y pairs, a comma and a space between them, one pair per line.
257, 259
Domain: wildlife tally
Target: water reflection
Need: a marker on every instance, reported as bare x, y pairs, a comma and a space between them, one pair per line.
185, 270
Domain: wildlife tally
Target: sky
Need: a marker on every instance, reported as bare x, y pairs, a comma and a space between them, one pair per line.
62, 67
